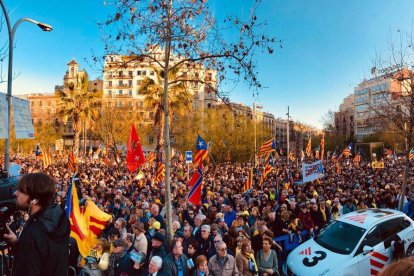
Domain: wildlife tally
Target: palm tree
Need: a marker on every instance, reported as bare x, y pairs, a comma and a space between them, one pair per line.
179, 100
78, 105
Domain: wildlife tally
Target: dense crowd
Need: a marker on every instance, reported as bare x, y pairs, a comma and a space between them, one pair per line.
232, 232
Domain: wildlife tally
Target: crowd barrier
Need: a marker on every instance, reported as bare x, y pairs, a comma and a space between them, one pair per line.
288, 245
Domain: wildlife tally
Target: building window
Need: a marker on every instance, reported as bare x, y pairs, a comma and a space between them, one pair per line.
130, 104
130, 73
130, 93
138, 73
110, 92
120, 83
32, 103
130, 83
151, 73
141, 104
120, 92
110, 83
144, 73
40, 103
119, 104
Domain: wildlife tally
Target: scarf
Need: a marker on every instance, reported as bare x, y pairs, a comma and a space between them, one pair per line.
250, 256
114, 257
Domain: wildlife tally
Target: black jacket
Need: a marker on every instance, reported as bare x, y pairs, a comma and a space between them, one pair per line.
169, 267
43, 246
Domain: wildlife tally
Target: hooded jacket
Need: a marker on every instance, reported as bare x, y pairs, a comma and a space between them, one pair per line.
43, 246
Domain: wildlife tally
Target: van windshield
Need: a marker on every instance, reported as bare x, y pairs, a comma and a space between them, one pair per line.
340, 237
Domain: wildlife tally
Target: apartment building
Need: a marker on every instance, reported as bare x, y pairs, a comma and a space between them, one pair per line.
123, 76
379, 91
344, 118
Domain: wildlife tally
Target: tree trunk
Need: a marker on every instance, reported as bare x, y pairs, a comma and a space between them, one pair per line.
167, 130
160, 140
75, 142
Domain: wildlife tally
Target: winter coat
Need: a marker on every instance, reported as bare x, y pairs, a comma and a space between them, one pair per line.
228, 269
169, 266
243, 265
43, 245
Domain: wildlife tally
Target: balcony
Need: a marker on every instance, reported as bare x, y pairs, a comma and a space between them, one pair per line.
117, 86
117, 77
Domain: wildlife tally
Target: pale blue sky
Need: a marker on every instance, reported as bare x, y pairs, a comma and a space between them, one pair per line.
328, 47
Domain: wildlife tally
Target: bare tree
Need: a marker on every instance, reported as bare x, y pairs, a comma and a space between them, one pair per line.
328, 121
3, 53
391, 96
184, 35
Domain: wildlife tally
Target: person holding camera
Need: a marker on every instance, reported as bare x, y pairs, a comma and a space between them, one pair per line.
42, 247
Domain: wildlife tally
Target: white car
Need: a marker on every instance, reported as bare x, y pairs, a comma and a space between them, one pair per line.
358, 243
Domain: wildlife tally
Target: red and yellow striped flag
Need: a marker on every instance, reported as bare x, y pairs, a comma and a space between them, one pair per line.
249, 181
150, 157
322, 146
267, 147
71, 162
308, 148
47, 159
160, 176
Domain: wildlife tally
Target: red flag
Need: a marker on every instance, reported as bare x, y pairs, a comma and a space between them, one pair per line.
135, 155
194, 196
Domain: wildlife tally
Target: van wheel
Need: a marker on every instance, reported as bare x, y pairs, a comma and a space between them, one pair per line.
410, 250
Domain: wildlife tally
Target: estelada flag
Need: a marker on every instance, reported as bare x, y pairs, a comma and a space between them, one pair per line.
135, 156
38, 152
194, 196
201, 151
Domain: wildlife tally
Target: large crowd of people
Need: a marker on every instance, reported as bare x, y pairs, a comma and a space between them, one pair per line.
232, 231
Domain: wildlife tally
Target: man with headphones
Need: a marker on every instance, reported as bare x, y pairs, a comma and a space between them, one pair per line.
42, 248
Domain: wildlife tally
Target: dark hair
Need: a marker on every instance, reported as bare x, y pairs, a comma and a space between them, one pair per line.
119, 243
38, 186
193, 243
268, 239
174, 243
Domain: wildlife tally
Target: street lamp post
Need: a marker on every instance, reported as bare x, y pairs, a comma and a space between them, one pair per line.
12, 31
